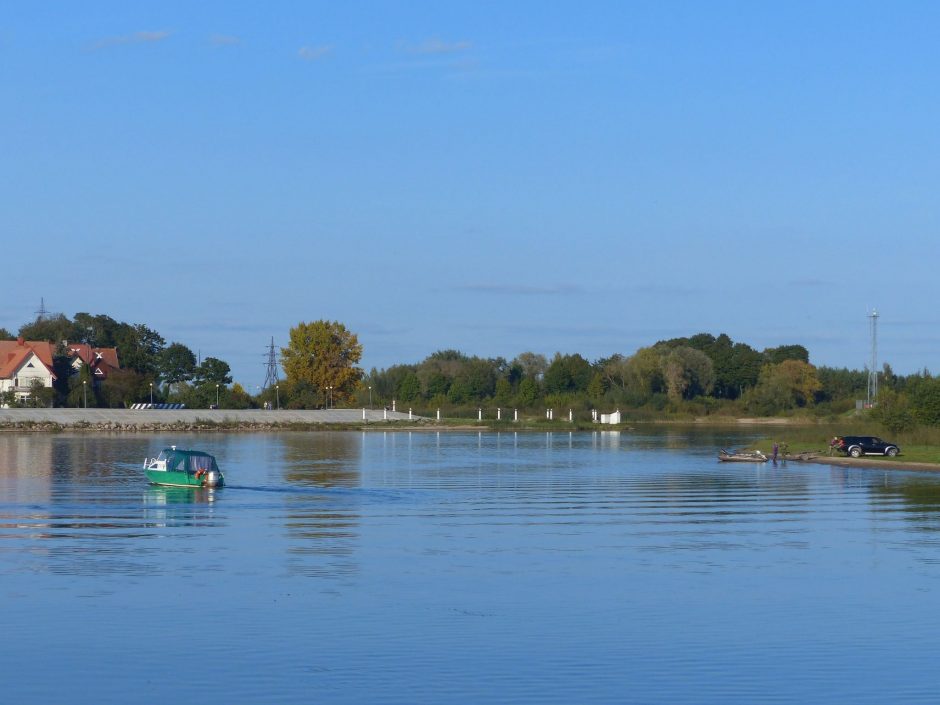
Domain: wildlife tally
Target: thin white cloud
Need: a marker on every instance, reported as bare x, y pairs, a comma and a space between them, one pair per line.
435, 46
224, 40
313, 53
143, 37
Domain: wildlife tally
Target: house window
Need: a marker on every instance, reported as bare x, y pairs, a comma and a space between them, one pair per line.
29, 364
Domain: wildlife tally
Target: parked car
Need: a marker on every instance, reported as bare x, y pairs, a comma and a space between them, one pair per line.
857, 446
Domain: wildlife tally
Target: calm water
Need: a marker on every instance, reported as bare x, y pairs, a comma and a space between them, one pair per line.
462, 568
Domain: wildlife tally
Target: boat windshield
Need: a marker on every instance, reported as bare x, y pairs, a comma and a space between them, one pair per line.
187, 461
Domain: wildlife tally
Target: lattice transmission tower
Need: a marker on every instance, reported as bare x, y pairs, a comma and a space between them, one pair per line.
42, 313
873, 369
270, 375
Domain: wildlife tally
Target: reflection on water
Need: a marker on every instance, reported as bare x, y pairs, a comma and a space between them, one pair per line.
464, 567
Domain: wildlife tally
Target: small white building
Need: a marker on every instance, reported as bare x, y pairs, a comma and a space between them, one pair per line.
22, 363
613, 418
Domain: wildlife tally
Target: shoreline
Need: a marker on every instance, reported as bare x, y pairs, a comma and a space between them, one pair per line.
871, 463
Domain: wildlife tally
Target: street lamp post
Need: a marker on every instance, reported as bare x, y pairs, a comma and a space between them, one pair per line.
151, 394
277, 394
329, 402
370, 396
85, 392
216, 396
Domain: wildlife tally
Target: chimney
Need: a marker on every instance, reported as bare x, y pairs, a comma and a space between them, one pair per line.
20, 341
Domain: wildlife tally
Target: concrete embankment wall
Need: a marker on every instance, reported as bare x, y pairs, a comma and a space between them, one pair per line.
155, 419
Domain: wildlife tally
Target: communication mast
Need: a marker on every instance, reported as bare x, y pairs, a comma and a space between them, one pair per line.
270, 375
42, 313
873, 368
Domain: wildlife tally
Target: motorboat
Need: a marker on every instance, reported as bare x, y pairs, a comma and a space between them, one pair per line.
183, 468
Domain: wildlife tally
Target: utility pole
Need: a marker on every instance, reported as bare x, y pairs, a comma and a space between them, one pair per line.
873, 369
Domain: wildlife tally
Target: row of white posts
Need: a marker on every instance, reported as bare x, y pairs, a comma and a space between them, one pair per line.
549, 414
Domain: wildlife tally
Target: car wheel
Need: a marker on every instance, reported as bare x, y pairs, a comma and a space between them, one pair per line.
891, 452
855, 452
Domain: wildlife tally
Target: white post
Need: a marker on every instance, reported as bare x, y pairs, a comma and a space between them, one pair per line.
363, 414
570, 417
438, 414
515, 414
409, 413
499, 414
385, 413
479, 414
551, 414
393, 405
546, 414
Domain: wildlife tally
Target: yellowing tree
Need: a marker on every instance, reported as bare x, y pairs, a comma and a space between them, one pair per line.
324, 354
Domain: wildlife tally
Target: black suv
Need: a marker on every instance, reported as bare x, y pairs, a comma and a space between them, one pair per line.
857, 446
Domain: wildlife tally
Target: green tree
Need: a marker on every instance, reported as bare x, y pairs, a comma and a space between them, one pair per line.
775, 356
528, 392
924, 394
893, 410
55, 327
212, 371
503, 392
324, 354
40, 395
97, 331
177, 363
139, 348
409, 388
567, 373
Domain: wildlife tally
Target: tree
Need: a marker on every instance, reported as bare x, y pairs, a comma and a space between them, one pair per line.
924, 393
786, 352
97, 331
528, 392
324, 354
533, 365
567, 373
55, 327
212, 371
790, 384
409, 388
6, 335
139, 348
688, 373
177, 363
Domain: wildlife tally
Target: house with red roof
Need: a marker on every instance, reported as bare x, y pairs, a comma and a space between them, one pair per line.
101, 361
22, 363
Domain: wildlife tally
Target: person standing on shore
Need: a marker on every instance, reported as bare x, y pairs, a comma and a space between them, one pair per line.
776, 449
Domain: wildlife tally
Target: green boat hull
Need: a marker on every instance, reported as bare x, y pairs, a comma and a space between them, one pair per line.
171, 478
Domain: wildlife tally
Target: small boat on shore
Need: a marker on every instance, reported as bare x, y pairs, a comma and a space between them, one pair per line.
744, 456
183, 468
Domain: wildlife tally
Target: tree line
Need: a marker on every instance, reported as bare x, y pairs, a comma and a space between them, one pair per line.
693, 376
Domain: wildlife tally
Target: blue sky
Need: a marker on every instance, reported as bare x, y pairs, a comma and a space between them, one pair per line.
489, 176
